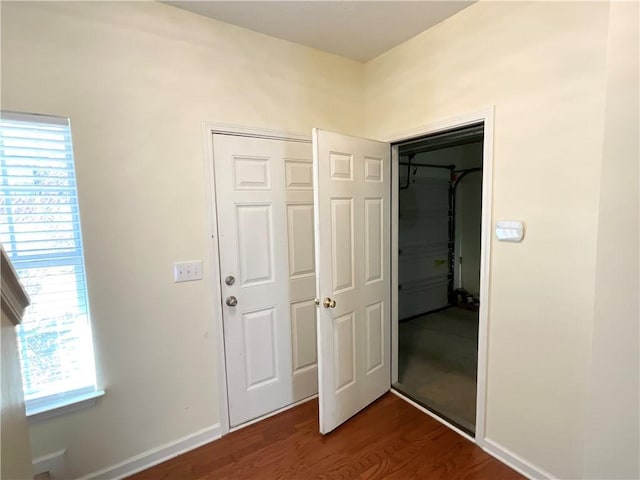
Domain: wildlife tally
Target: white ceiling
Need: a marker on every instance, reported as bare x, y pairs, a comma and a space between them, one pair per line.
360, 30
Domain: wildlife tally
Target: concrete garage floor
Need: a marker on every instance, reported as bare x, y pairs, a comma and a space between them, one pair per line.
437, 363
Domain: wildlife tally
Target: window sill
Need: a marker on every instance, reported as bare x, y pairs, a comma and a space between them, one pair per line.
63, 407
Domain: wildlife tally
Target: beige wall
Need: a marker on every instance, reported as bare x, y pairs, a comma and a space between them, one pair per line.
137, 80
542, 64
612, 448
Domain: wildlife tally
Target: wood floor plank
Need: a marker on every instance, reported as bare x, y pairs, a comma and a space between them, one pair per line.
390, 439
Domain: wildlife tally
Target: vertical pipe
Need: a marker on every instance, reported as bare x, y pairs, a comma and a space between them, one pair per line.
452, 235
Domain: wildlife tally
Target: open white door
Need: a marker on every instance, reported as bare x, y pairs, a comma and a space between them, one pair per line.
352, 235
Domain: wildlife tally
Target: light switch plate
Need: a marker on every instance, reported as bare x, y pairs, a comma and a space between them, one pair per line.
510, 231
187, 271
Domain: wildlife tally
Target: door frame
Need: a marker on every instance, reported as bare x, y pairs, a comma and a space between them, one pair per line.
486, 116
208, 130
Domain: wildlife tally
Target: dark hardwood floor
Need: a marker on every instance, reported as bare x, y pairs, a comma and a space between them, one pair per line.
389, 439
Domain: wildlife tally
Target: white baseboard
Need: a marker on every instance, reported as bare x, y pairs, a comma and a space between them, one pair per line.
157, 455
52, 463
514, 461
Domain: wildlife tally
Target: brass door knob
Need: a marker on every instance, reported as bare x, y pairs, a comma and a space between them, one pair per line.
328, 303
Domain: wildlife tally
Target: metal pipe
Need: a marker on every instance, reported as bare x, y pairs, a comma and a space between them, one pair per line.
464, 173
404, 187
452, 201
429, 165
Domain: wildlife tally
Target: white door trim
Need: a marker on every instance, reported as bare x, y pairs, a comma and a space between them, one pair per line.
208, 130
485, 115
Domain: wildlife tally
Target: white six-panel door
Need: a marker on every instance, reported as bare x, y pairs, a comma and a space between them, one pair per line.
352, 216
264, 201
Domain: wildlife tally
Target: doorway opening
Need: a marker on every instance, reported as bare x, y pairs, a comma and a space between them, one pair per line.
439, 256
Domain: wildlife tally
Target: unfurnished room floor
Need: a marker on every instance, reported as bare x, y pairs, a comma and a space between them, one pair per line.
438, 361
390, 439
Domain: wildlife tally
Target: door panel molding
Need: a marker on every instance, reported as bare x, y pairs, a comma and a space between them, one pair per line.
215, 306
255, 246
352, 180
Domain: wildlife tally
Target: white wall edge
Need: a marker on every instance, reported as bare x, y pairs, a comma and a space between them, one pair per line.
52, 463
14, 297
158, 455
514, 461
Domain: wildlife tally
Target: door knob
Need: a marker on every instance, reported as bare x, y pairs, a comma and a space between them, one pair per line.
328, 303
232, 301
230, 280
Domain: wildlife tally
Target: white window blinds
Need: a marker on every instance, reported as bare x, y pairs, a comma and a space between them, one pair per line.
40, 231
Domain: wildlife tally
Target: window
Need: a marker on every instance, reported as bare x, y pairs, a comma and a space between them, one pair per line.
40, 231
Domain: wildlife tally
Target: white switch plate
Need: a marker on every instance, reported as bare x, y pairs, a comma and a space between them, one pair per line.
187, 271
510, 231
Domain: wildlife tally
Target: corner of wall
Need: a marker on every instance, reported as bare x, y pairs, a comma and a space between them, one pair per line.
612, 437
